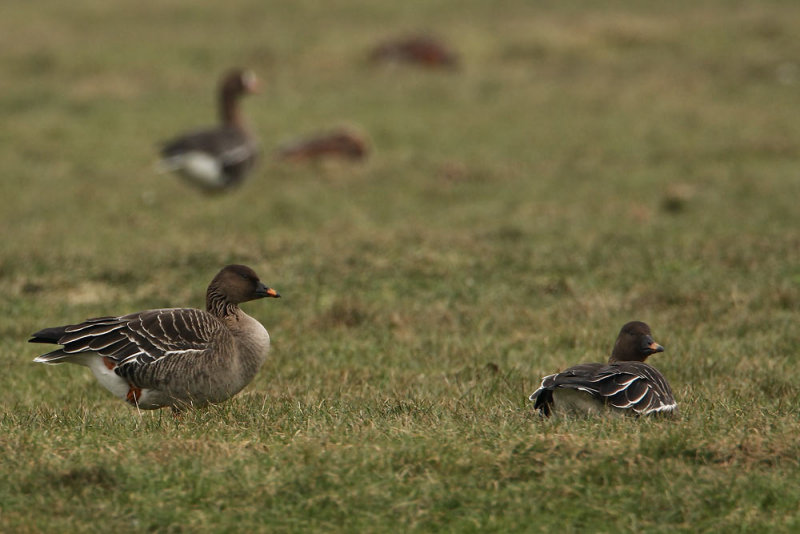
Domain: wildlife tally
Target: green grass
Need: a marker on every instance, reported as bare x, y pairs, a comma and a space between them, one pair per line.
590, 164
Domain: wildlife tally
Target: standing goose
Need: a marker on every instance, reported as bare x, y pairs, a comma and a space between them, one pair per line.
217, 158
625, 385
176, 357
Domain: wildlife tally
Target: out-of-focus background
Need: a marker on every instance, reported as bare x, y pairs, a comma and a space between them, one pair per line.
581, 164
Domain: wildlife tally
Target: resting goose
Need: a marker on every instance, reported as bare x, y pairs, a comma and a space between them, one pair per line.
625, 385
342, 142
424, 50
217, 158
176, 357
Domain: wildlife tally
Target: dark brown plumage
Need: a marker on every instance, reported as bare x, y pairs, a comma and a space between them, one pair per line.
217, 158
175, 357
624, 385
342, 143
422, 50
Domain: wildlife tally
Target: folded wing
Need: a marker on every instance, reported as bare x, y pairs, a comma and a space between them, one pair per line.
632, 386
133, 345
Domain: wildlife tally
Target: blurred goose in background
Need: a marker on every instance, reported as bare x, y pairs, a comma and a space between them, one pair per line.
625, 385
217, 158
342, 142
176, 357
424, 50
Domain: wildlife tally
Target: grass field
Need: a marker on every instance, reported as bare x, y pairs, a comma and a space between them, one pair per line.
589, 164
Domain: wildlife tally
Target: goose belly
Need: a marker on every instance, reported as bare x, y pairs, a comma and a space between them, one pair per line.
567, 401
107, 378
199, 167
146, 399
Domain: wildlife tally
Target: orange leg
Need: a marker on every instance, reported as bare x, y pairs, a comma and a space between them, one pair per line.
133, 395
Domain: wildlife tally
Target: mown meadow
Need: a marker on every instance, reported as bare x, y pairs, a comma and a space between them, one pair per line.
587, 164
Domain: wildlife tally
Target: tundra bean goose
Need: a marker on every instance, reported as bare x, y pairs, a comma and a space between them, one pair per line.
176, 357
217, 158
624, 385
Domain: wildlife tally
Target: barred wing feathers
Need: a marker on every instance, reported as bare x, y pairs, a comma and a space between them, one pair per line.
137, 341
623, 385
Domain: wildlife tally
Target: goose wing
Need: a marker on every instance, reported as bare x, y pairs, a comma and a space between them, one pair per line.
130, 343
228, 144
574, 377
623, 385
636, 386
